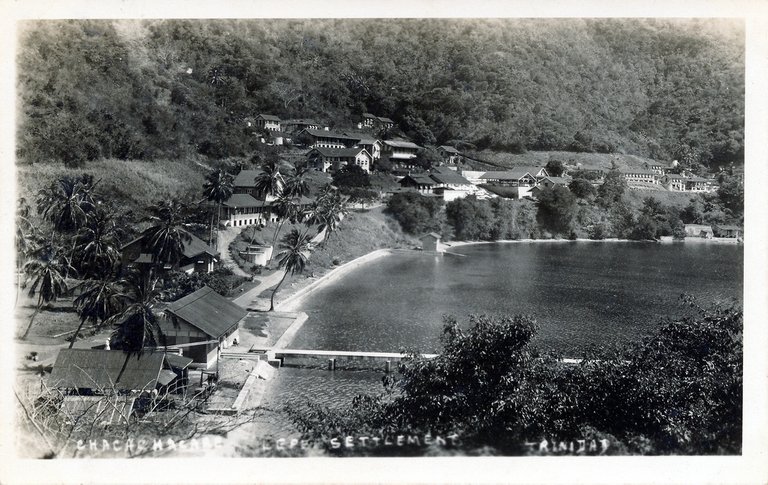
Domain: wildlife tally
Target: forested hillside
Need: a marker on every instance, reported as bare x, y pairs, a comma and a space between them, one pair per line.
144, 90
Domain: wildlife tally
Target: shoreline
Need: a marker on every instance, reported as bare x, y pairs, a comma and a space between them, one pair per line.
694, 240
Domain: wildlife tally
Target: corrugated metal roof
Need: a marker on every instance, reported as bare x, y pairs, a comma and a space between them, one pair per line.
177, 361
208, 311
449, 149
401, 144
515, 174
246, 178
449, 177
268, 117
328, 134
196, 246
244, 200
99, 369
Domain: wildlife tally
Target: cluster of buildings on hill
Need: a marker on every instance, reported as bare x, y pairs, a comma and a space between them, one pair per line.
332, 150
655, 175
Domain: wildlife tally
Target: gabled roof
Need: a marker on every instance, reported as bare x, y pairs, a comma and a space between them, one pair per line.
636, 171
193, 247
268, 117
246, 178
369, 115
420, 179
301, 121
431, 234
99, 369
401, 144
449, 177
699, 179
327, 134
338, 152
514, 174
244, 200
207, 311
385, 120
448, 149
559, 180
675, 176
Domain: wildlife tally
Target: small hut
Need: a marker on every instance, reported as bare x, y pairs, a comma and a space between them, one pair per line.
431, 242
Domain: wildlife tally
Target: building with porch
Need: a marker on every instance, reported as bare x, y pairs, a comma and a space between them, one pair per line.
520, 180
449, 154
266, 122
332, 159
246, 210
198, 256
328, 139
201, 325
400, 150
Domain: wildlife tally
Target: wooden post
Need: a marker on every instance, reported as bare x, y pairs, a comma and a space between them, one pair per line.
331, 364
388, 366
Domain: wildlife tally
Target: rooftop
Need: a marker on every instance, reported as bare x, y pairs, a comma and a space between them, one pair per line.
515, 174
337, 152
268, 117
99, 369
246, 178
244, 200
208, 311
401, 144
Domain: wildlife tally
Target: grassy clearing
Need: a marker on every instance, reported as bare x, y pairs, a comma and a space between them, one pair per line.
127, 184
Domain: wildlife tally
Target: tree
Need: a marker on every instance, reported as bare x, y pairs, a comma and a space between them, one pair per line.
270, 181
294, 256
99, 301
555, 168
415, 213
327, 211
97, 244
612, 189
218, 188
350, 176
137, 325
296, 184
362, 196
166, 237
731, 194
47, 275
581, 188
472, 219
67, 202
556, 209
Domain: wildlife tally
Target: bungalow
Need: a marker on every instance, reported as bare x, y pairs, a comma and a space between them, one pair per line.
659, 168
538, 172
431, 242
421, 182
369, 120
332, 159
549, 182
698, 184
245, 210
635, 175
521, 180
328, 139
267, 122
699, 230
449, 154
294, 126
198, 256
450, 184
400, 150
98, 371
726, 231
673, 182
365, 141
207, 320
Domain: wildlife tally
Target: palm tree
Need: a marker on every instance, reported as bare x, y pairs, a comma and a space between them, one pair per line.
270, 181
66, 202
296, 184
100, 300
24, 239
287, 209
137, 325
293, 257
166, 237
327, 211
97, 244
47, 277
218, 188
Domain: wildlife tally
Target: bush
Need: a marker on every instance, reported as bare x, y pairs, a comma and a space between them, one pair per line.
415, 213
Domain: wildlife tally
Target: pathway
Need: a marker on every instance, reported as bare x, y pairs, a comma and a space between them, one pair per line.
225, 238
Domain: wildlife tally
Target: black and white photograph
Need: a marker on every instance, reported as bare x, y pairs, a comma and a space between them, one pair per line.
495, 238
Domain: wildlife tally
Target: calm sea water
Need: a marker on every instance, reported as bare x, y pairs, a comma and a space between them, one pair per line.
581, 293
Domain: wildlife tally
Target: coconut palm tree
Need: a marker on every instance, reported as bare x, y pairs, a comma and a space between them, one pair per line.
294, 256
166, 236
327, 211
270, 181
137, 325
96, 245
287, 209
100, 300
296, 184
218, 187
66, 202
25, 237
47, 275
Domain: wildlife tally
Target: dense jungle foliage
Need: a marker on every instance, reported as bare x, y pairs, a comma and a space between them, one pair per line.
172, 88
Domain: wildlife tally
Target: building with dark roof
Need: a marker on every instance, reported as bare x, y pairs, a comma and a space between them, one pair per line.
267, 122
400, 150
206, 319
97, 371
198, 256
245, 210
332, 159
449, 154
329, 139
519, 179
